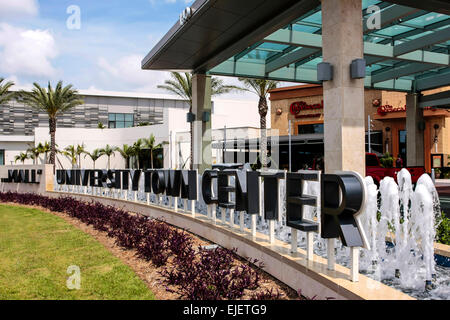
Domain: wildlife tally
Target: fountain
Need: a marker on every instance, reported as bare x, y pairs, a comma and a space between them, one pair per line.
400, 222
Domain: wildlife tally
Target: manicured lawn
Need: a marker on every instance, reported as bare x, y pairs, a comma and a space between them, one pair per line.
36, 248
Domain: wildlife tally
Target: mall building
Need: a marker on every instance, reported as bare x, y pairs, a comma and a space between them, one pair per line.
125, 117
303, 107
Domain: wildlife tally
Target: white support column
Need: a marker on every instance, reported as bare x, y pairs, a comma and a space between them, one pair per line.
253, 225
148, 198
271, 231
193, 208
309, 246
231, 218
135, 196
213, 213
354, 269
242, 221
208, 211
224, 215
330, 254
186, 208
294, 239
175, 204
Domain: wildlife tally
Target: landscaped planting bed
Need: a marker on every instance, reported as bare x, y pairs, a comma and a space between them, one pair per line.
188, 270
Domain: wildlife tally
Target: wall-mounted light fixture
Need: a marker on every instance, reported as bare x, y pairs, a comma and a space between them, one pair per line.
190, 117
324, 71
358, 69
436, 128
206, 116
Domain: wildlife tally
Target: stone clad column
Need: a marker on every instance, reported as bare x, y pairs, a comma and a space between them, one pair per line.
342, 42
414, 131
201, 102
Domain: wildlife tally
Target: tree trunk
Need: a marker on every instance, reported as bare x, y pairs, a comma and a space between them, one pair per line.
151, 158
262, 108
52, 126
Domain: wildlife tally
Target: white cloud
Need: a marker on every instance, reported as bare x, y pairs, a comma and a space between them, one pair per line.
26, 52
125, 74
18, 8
128, 73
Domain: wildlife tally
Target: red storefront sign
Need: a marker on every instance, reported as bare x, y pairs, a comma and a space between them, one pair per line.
296, 107
383, 110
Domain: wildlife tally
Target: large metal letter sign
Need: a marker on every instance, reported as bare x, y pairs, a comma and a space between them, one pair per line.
295, 200
207, 186
247, 191
343, 199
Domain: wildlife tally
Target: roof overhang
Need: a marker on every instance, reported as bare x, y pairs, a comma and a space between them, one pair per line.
282, 40
219, 29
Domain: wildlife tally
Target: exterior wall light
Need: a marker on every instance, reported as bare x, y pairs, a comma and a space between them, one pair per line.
324, 71
358, 69
436, 127
206, 116
190, 117
279, 112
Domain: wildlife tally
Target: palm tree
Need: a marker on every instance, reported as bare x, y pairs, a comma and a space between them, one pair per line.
94, 155
71, 153
181, 85
137, 146
126, 152
22, 157
108, 151
44, 149
81, 149
150, 145
5, 94
261, 88
54, 102
34, 153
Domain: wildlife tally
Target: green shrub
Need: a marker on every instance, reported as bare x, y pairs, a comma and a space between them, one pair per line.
443, 230
387, 161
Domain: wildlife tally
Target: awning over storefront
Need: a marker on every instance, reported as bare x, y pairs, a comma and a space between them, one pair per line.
282, 40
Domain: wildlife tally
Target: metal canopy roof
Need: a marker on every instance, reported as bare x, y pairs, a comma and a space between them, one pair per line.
282, 40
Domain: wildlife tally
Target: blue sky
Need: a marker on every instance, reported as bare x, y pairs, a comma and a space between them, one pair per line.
104, 54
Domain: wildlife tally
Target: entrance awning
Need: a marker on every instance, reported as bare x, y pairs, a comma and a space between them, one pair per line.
281, 40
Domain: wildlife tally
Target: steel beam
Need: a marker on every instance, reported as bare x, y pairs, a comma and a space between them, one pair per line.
433, 82
397, 72
289, 58
441, 99
391, 15
422, 42
308, 40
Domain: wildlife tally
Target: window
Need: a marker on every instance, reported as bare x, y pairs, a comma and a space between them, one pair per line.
2, 157
120, 120
310, 128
